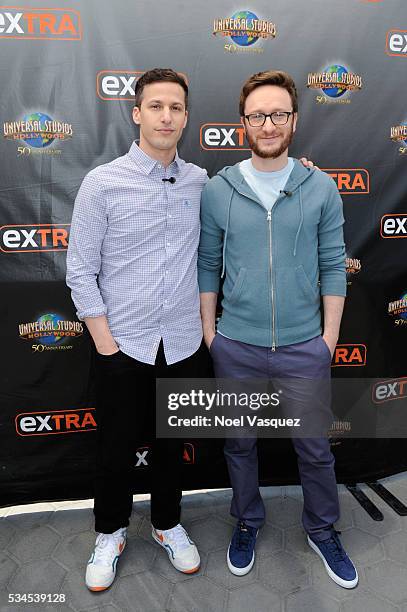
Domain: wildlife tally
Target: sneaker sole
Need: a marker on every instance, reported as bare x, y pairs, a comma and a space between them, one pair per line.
239, 571
97, 589
184, 571
346, 584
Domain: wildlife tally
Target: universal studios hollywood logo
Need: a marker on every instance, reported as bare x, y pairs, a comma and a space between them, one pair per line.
335, 83
39, 132
244, 29
398, 134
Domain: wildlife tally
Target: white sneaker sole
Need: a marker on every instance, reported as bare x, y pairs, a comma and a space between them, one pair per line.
173, 562
239, 571
346, 584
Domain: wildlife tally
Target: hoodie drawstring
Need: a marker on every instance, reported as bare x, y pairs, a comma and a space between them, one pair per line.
299, 225
226, 234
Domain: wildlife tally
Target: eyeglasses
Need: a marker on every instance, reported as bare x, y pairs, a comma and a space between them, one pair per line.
278, 118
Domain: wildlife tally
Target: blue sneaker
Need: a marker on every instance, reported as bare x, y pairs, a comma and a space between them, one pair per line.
337, 563
240, 557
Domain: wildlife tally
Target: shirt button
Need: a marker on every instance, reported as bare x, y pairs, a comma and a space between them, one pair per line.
159, 166
170, 216
168, 243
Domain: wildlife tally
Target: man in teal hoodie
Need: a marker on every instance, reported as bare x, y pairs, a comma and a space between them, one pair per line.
273, 230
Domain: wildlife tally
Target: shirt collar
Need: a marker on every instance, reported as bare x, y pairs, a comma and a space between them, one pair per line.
147, 163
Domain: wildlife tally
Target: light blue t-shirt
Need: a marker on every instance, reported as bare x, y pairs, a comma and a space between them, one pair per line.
266, 185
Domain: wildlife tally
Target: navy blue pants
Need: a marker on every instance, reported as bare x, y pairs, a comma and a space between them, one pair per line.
308, 360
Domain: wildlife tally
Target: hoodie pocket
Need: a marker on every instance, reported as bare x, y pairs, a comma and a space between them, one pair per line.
297, 302
237, 287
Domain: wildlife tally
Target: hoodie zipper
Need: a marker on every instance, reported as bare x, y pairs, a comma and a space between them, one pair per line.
273, 325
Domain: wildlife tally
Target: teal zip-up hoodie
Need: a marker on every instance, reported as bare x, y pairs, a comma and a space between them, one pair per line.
276, 264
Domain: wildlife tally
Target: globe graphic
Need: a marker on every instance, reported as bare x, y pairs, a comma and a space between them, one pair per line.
51, 339
245, 41
335, 92
404, 141
39, 141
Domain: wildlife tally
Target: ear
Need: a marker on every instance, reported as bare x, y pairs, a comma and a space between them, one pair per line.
186, 119
136, 115
295, 117
243, 122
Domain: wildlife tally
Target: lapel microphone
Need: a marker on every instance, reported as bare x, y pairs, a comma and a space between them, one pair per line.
287, 193
171, 180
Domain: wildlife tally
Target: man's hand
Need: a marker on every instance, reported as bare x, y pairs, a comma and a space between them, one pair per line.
308, 163
330, 341
99, 330
107, 350
208, 338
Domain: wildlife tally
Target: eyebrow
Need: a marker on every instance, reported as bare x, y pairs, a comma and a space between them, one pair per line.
161, 102
276, 110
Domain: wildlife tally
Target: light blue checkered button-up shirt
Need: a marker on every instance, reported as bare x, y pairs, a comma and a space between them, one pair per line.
132, 254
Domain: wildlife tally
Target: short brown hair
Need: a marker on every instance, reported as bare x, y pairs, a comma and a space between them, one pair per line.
268, 77
157, 75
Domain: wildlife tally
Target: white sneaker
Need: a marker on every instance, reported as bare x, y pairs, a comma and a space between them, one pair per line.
101, 568
181, 550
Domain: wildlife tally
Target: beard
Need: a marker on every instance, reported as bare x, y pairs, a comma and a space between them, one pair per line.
267, 153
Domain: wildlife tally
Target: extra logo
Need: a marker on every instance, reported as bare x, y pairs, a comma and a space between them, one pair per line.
40, 23
398, 310
47, 422
34, 238
224, 136
398, 134
396, 43
389, 390
349, 355
336, 82
39, 132
119, 84
50, 332
350, 180
244, 29
393, 225
143, 455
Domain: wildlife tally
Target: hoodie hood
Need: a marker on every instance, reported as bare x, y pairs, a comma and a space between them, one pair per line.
233, 176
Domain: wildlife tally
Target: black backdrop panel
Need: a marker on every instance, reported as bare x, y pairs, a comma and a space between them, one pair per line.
74, 65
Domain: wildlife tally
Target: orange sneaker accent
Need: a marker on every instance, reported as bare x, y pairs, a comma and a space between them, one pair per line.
98, 588
192, 571
159, 536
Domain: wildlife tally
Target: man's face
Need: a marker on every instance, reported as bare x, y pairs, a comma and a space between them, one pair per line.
161, 116
269, 141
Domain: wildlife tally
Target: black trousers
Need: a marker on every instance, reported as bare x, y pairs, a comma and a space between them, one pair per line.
125, 390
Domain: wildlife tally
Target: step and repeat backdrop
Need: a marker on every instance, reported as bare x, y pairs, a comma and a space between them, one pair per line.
68, 72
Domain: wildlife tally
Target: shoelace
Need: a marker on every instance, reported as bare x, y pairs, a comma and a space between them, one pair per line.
243, 537
178, 537
334, 546
106, 548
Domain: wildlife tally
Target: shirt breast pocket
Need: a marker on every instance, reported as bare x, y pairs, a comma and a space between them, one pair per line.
187, 214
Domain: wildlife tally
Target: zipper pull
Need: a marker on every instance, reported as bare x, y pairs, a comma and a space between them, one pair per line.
269, 215
273, 348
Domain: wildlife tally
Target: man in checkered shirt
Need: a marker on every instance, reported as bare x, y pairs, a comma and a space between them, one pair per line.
132, 269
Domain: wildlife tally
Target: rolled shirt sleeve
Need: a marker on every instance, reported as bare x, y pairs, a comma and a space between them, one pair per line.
88, 228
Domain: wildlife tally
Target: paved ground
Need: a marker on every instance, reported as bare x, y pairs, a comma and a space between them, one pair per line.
44, 549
